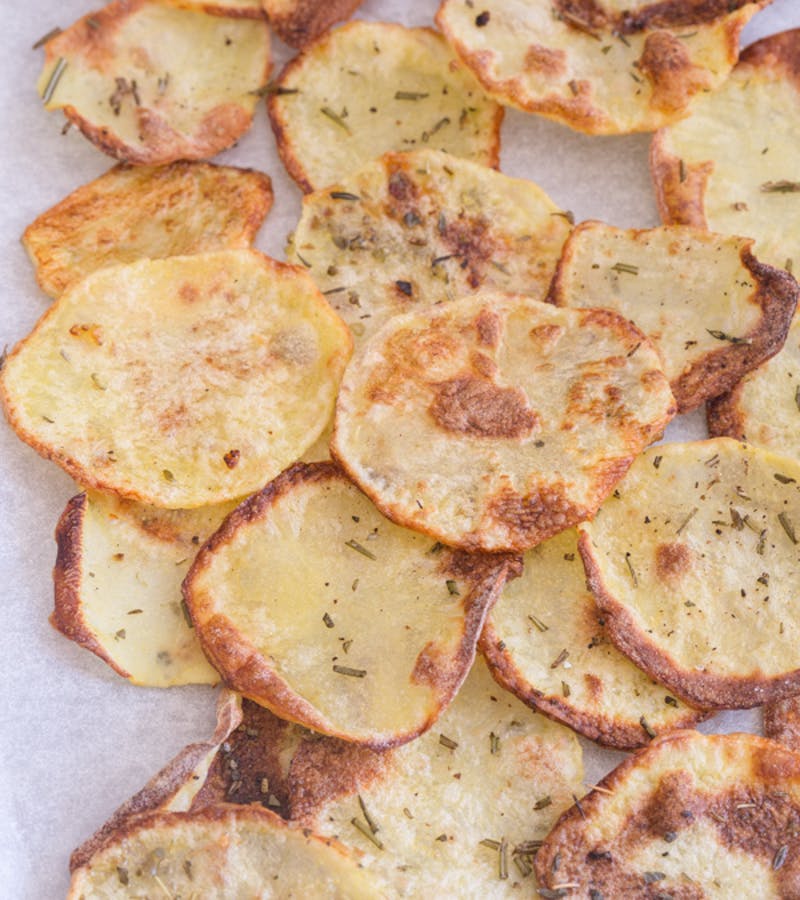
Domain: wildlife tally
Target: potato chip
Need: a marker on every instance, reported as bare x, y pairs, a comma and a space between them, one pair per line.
311, 603
732, 165
458, 812
118, 581
497, 421
148, 82
763, 407
545, 642
693, 563
181, 382
602, 67
220, 852
132, 213
710, 308
298, 22
369, 87
691, 816
423, 227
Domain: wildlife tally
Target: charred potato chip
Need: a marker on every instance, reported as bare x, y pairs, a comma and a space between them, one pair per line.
544, 641
298, 22
118, 581
605, 67
181, 382
421, 228
710, 308
369, 87
693, 563
148, 82
691, 816
311, 603
497, 421
221, 852
763, 407
133, 213
732, 165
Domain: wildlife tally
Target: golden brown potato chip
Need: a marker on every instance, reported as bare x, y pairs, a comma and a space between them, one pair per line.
118, 581
545, 642
691, 816
132, 213
711, 309
732, 165
313, 604
369, 87
602, 66
298, 22
149, 82
419, 228
496, 421
180, 382
217, 853
694, 565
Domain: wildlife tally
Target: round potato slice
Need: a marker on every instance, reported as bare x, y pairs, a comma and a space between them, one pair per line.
142, 212
150, 82
298, 22
419, 228
369, 87
694, 564
691, 816
497, 421
545, 642
711, 309
732, 165
218, 853
311, 603
602, 67
180, 382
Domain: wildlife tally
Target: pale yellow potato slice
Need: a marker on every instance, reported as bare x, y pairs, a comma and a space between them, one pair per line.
133, 213
602, 67
711, 309
544, 640
148, 82
298, 22
118, 581
370, 87
693, 815
310, 602
181, 382
496, 421
732, 165
694, 564
218, 853
458, 812
419, 228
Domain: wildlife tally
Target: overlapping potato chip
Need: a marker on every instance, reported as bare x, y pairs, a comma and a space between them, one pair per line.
710, 308
298, 22
763, 408
133, 213
313, 604
694, 564
691, 816
732, 165
150, 82
118, 581
603, 67
181, 382
370, 87
419, 228
220, 852
545, 642
497, 421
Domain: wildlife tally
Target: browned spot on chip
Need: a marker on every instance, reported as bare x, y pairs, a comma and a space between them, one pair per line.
677, 14
401, 187
189, 292
546, 336
232, 458
470, 240
582, 14
673, 560
537, 516
672, 806
543, 59
594, 686
477, 407
489, 328
680, 186
675, 79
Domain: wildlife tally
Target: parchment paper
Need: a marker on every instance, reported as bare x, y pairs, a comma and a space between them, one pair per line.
75, 739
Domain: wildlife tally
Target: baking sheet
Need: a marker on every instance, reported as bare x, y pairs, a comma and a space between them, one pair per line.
75, 739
